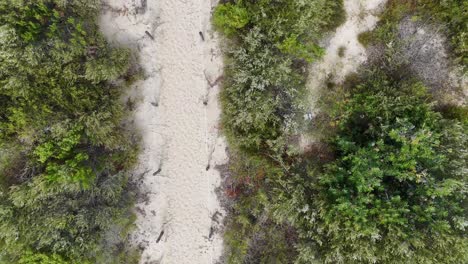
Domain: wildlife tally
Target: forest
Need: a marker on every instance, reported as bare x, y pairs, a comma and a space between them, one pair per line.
387, 180
65, 195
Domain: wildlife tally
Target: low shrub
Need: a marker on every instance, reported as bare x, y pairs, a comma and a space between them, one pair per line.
395, 191
229, 18
266, 65
64, 151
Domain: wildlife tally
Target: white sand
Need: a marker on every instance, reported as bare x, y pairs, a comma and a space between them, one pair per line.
361, 16
425, 49
179, 132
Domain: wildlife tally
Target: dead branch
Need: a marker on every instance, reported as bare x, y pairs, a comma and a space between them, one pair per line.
149, 35
160, 236
213, 84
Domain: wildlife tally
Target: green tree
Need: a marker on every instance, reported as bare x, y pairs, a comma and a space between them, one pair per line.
392, 186
396, 192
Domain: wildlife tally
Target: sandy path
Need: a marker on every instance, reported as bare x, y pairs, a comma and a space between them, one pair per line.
361, 16
177, 113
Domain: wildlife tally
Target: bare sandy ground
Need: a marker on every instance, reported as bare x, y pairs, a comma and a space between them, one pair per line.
177, 115
361, 16
424, 48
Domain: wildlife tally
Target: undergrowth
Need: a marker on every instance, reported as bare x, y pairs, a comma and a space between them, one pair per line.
270, 44
64, 151
387, 184
451, 15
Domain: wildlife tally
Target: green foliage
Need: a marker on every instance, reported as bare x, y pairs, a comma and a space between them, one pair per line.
266, 62
253, 237
270, 44
397, 188
365, 38
451, 14
393, 189
293, 47
229, 18
73, 169
459, 113
61, 219
31, 20
63, 149
37, 258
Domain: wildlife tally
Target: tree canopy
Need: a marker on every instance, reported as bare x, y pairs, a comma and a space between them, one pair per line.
64, 148
396, 190
386, 181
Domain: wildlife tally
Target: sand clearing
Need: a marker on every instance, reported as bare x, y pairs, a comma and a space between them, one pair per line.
177, 115
344, 53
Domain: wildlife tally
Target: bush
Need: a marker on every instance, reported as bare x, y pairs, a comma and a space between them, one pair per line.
397, 187
265, 73
229, 18
388, 184
31, 258
62, 219
451, 14
366, 38
64, 151
265, 76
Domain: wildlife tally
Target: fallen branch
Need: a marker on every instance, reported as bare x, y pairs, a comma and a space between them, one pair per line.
149, 34
212, 231
160, 236
157, 172
212, 84
214, 217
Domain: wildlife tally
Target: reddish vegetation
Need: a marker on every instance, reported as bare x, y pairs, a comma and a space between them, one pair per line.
245, 184
320, 151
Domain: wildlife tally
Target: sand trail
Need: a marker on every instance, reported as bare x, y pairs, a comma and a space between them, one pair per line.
177, 115
344, 54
